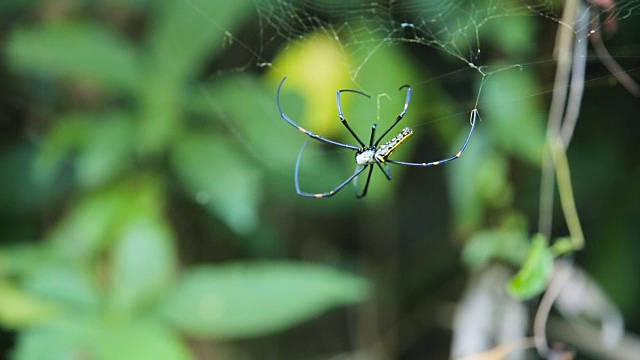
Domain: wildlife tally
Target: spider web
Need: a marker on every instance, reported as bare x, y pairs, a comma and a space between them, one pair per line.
459, 31
455, 27
458, 34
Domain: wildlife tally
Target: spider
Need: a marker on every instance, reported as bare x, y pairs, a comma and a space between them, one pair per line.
366, 156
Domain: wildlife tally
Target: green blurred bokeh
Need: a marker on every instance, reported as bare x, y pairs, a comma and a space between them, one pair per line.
147, 198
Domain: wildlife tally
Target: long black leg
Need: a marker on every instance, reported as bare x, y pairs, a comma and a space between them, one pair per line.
402, 113
366, 185
386, 170
307, 132
474, 116
341, 114
373, 134
325, 194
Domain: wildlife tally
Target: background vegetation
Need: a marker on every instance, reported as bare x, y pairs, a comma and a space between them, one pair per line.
147, 200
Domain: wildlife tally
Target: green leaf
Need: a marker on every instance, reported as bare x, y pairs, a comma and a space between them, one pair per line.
514, 119
20, 309
66, 135
99, 217
513, 34
478, 181
144, 261
160, 113
93, 338
140, 341
185, 34
496, 244
20, 195
217, 176
535, 274
257, 127
103, 145
64, 284
17, 260
57, 340
86, 228
107, 150
254, 299
84, 51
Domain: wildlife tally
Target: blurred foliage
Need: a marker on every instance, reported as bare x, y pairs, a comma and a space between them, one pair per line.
105, 282
535, 274
147, 199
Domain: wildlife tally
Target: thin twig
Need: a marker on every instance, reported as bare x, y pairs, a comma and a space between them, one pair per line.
578, 70
560, 278
559, 97
565, 191
610, 63
558, 137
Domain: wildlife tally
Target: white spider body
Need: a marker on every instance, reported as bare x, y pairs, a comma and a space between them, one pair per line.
371, 155
366, 157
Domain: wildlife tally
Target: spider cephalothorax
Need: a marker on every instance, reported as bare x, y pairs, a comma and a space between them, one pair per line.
366, 156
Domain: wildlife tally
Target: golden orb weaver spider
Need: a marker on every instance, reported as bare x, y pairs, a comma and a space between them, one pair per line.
367, 155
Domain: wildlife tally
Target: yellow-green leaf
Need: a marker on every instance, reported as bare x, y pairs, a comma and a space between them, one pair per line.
535, 274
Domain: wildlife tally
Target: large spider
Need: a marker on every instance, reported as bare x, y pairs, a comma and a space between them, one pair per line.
367, 155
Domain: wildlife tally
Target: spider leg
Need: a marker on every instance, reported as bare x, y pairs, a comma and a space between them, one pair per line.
386, 170
341, 114
373, 135
366, 185
473, 118
402, 113
307, 132
325, 194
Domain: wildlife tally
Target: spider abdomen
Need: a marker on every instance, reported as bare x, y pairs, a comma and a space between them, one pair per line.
385, 150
